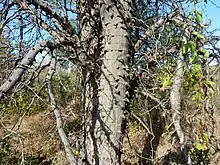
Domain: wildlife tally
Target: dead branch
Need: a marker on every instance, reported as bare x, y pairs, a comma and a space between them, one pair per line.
50, 12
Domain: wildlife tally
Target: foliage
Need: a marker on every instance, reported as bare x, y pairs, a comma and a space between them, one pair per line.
200, 152
6, 156
33, 98
23, 102
67, 88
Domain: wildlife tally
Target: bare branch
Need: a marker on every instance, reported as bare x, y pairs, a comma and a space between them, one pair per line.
24, 65
152, 28
50, 12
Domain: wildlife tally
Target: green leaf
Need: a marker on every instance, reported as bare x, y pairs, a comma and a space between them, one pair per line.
196, 96
205, 136
191, 45
184, 49
198, 17
206, 53
197, 67
199, 146
210, 83
194, 33
212, 92
166, 83
200, 36
191, 60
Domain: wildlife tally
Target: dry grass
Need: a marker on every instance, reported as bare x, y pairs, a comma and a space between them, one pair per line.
133, 144
39, 138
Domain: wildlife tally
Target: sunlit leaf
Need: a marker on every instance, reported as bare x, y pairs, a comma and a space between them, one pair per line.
184, 49
206, 53
191, 60
198, 17
166, 83
210, 84
205, 136
192, 45
199, 146
198, 35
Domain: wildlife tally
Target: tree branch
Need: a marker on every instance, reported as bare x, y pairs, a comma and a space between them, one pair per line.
51, 12
149, 32
69, 153
20, 69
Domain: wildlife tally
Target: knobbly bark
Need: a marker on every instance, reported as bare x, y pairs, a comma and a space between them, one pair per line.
105, 139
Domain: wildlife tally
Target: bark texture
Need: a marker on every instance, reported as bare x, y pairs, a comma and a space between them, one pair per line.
90, 41
106, 129
175, 101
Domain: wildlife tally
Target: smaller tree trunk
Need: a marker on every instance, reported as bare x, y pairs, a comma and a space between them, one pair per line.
175, 101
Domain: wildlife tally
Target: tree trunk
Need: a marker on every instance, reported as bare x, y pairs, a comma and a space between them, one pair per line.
175, 102
106, 130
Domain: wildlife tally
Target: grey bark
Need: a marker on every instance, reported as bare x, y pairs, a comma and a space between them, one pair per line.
106, 130
90, 26
64, 139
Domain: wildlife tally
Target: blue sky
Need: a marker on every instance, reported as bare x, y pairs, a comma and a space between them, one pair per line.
212, 12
